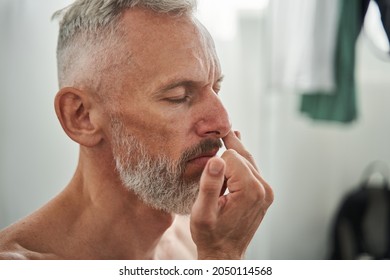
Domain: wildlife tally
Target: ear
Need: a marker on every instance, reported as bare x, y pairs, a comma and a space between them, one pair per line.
74, 109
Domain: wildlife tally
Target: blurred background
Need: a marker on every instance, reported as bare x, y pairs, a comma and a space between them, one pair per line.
277, 58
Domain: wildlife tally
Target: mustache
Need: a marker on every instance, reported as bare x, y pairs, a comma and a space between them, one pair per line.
205, 146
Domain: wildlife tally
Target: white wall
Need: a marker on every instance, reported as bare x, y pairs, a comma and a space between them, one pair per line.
309, 164
37, 159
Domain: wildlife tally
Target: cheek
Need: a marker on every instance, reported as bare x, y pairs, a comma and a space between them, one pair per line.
161, 133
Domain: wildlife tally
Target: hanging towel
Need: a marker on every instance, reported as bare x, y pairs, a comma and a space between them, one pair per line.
384, 8
340, 105
303, 37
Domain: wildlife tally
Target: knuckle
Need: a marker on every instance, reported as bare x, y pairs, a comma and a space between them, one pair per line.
269, 193
232, 157
262, 193
229, 153
270, 196
209, 189
243, 156
259, 193
211, 185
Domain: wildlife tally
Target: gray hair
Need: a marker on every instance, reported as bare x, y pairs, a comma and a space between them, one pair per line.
91, 26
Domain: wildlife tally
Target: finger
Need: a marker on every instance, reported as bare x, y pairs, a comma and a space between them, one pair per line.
231, 141
269, 194
238, 171
211, 183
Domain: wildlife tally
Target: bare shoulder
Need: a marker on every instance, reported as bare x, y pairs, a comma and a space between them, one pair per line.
12, 256
17, 252
9, 249
15, 246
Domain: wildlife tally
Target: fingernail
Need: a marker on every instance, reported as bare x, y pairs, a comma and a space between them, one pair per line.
215, 167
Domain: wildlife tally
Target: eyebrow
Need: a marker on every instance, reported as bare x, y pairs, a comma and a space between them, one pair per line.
184, 83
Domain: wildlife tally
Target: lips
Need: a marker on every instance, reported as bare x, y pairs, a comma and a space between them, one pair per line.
202, 158
198, 155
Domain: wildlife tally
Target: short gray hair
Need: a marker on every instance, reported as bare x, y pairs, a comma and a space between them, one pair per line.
87, 25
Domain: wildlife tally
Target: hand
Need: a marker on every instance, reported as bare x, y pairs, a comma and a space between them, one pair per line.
223, 225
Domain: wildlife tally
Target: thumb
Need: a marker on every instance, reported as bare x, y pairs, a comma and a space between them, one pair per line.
211, 183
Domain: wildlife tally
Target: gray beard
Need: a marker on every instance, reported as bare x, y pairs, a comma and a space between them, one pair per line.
157, 180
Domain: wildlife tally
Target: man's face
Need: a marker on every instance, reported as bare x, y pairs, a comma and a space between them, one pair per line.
168, 119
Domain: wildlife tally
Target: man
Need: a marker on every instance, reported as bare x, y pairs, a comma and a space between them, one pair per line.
139, 83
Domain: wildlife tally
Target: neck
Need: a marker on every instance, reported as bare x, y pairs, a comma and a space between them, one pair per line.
109, 220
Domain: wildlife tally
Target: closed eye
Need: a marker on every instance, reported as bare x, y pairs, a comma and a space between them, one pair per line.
184, 99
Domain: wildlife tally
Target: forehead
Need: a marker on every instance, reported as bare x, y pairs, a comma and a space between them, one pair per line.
161, 45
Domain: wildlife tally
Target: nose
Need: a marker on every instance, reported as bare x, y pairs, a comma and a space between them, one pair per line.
213, 119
